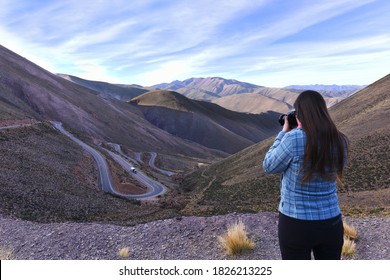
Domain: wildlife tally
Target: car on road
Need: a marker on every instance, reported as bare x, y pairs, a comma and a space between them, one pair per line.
134, 170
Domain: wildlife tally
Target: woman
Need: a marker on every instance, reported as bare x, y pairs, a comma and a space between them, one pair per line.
311, 159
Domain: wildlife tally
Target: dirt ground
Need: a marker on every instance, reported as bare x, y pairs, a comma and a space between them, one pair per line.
366, 203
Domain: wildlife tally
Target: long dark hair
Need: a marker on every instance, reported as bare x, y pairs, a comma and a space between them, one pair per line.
326, 146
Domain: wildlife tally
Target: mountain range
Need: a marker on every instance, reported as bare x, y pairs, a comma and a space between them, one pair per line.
28, 91
216, 152
329, 90
231, 94
48, 178
194, 115
205, 123
250, 98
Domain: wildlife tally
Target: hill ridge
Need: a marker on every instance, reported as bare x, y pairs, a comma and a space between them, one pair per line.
203, 122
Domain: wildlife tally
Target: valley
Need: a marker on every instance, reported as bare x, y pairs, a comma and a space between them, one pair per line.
47, 177
78, 151
153, 188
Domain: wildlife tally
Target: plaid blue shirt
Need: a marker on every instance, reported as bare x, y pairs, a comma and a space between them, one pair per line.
314, 200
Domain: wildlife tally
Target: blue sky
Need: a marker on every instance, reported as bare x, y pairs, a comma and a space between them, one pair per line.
265, 42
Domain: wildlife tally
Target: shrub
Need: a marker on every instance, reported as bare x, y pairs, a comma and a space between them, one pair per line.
348, 247
349, 231
350, 234
124, 252
235, 241
5, 254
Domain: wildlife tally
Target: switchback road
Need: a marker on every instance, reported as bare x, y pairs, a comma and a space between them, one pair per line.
153, 156
154, 188
138, 159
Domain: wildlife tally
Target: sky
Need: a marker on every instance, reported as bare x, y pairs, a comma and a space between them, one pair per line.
265, 42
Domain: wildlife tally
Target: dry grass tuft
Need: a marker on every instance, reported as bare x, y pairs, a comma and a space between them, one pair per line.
124, 252
350, 235
236, 241
5, 254
348, 247
349, 231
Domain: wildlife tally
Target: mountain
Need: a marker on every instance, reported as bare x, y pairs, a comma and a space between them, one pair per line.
120, 92
231, 94
205, 123
238, 182
249, 98
329, 90
365, 113
228, 93
254, 102
29, 91
210, 126
208, 88
46, 177
333, 94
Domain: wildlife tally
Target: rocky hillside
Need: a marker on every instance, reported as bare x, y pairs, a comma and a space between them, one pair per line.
186, 238
120, 92
208, 88
45, 177
28, 91
238, 182
205, 123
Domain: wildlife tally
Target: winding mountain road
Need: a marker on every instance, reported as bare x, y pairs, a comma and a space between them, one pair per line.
154, 188
118, 149
152, 159
10, 126
138, 159
13, 126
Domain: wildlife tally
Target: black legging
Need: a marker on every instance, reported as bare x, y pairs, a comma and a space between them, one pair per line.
298, 238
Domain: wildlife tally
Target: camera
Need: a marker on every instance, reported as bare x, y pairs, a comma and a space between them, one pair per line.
292, 121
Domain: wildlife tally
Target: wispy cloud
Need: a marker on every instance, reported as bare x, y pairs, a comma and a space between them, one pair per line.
151, 41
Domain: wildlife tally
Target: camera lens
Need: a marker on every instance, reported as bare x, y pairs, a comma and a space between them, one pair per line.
281, 119
292, 121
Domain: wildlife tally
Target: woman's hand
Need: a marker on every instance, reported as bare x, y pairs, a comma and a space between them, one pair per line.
286, 126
